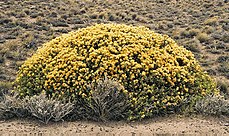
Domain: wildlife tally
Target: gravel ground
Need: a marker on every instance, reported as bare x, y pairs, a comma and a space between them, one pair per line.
172, 125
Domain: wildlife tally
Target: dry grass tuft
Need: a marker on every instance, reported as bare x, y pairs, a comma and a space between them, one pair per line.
203, 37
211, 21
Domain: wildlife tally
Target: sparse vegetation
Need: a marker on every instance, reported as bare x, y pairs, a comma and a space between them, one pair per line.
4, 87
11, 107
211, 21
203, 37
46, 109
224, 69
224, 88
194, 32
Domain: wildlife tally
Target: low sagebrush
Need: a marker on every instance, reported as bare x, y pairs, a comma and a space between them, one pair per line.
46, 109
212, 105
107, 102
39, 106
11, 106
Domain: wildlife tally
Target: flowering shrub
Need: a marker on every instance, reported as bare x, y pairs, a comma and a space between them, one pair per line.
156, 73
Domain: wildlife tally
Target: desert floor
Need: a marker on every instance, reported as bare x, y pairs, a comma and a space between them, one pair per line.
172, 125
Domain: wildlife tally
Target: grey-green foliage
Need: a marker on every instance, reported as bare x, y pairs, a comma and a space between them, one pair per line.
11, 107
38, 106
46, 109
107, 102
213, 105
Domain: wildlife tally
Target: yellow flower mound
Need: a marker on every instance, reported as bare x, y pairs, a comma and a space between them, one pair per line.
155, 72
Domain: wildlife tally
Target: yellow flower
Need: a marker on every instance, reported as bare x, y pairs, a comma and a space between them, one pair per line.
143, 61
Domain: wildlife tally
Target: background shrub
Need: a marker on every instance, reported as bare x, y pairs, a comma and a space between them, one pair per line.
223, 87
156, 73
4, 88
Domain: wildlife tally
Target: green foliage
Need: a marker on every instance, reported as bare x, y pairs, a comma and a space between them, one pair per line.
156, 73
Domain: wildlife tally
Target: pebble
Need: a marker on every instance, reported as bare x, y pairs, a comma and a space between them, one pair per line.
227, 124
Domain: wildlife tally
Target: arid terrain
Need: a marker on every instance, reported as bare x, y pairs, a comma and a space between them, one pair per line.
201, 26
166, 126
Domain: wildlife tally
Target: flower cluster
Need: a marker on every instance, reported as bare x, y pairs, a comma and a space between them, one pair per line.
155, 71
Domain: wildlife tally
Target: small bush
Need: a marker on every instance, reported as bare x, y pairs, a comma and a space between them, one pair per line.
5, 87
208, 29
223, 59
192, 45
40, 107
185, 33
11, 107
213, 105
46, 109
2, 58
224, 69
211, 21
203, 37
225, 37
108, 102
224, 88
194, 32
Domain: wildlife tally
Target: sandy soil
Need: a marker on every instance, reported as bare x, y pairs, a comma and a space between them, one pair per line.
173, 125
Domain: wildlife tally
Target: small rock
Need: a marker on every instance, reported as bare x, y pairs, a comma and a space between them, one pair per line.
226, 124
